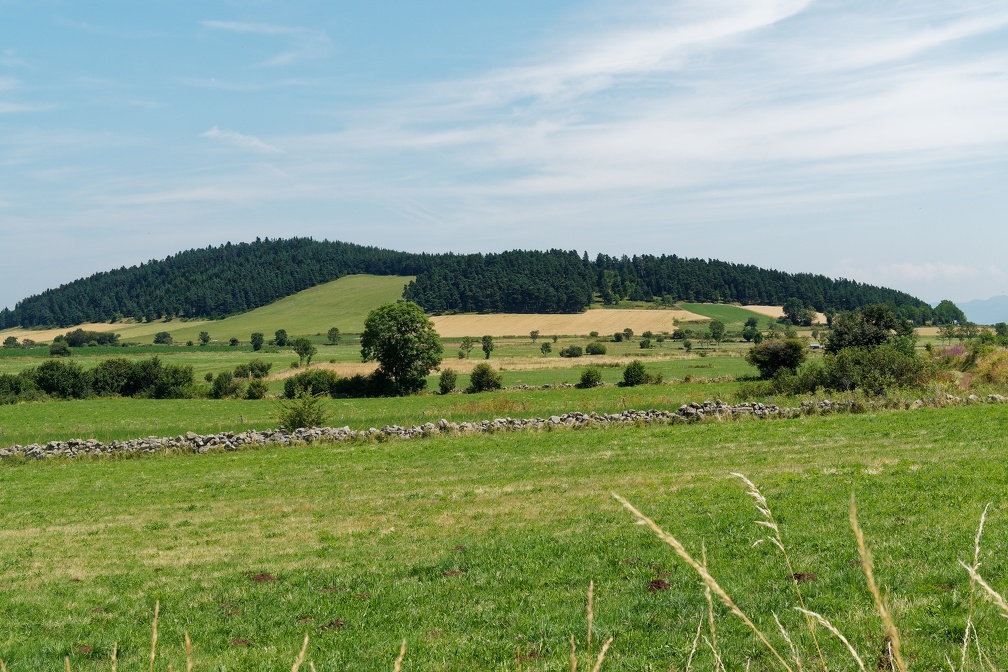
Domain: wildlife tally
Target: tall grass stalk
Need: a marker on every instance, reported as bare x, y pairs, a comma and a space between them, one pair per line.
972, 592
775, 538
866, 564
705, 576
836, 633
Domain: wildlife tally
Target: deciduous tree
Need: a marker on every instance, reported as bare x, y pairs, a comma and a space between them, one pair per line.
403, 341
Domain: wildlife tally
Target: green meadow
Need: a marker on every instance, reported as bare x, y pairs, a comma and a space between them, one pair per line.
479, 550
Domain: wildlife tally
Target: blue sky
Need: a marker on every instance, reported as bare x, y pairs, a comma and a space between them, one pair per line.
857, 139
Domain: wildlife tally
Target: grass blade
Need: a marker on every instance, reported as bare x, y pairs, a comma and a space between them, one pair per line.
866, 564
707, 579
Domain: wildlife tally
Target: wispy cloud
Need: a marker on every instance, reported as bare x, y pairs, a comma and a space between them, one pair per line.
928, 271
14, 108
214, 83
240, 140
305, 43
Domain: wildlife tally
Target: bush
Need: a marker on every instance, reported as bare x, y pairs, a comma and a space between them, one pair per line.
571, 351
775, 354
617, 337
591, 377
645, 344
66, 380
233, 342
111, 377
302, 409
260, 368
595, 349
59, 349
316, 381
225, 386
163, 338
446, 383
484, 379
257, 389
634, 374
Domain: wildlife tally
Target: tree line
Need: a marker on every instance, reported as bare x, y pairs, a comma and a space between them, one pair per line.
214, 282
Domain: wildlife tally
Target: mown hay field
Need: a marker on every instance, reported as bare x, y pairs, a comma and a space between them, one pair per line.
604, 321
479, 550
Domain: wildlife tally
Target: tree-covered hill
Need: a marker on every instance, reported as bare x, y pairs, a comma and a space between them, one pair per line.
234, 278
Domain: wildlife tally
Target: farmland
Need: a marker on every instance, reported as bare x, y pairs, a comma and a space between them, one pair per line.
480, 549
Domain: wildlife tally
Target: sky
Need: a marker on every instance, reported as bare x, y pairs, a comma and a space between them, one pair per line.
852, 138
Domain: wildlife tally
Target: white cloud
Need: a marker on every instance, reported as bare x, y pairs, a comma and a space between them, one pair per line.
249, 142
927, 271
305, 43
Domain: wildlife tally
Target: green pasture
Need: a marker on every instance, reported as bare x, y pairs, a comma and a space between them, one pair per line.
734, 317
479, 550
118, 418
342, 303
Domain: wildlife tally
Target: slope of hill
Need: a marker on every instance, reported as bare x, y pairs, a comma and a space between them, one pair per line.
342, 303
216, 282
987, 311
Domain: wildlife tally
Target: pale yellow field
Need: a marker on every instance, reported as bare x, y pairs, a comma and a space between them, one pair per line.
778, 311
604, 321
128, 329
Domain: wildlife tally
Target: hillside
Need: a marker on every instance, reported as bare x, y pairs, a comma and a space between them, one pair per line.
342, 303
217, 282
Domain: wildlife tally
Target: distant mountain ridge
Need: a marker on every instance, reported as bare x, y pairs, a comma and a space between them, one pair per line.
215, 282
987, 311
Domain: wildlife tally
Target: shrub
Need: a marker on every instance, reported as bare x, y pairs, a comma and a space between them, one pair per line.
545, 348
645, 344
257, 389
59, 349
617, 337
446, 383
571, 351
593, 334
66, 380
591, 377
595, 349
163, 338
634, 374
259, 368
302, 409
484, 379
317, 381
243, 371
233, 342
111, 377
225, 386
775, 354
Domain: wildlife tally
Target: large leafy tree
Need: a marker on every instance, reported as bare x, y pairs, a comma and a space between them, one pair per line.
403, 341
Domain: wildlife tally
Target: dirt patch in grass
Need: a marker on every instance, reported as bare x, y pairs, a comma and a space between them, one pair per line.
264, 577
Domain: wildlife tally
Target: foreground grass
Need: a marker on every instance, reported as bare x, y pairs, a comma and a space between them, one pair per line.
476, 548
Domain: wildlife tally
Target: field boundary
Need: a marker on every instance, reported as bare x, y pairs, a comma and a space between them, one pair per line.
693, 412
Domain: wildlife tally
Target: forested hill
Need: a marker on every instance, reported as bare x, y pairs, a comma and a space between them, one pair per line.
219, 281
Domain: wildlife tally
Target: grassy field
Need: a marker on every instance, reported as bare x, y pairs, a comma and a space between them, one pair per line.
343, 303
109, 419
479, 550
734, 317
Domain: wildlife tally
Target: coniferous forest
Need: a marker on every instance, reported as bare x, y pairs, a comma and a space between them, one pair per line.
218, 281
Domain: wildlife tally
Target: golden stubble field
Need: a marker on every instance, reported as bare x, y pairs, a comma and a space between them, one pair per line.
604, 321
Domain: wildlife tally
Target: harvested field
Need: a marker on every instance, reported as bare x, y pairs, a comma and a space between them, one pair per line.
346, 369
604, 321
778, 311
